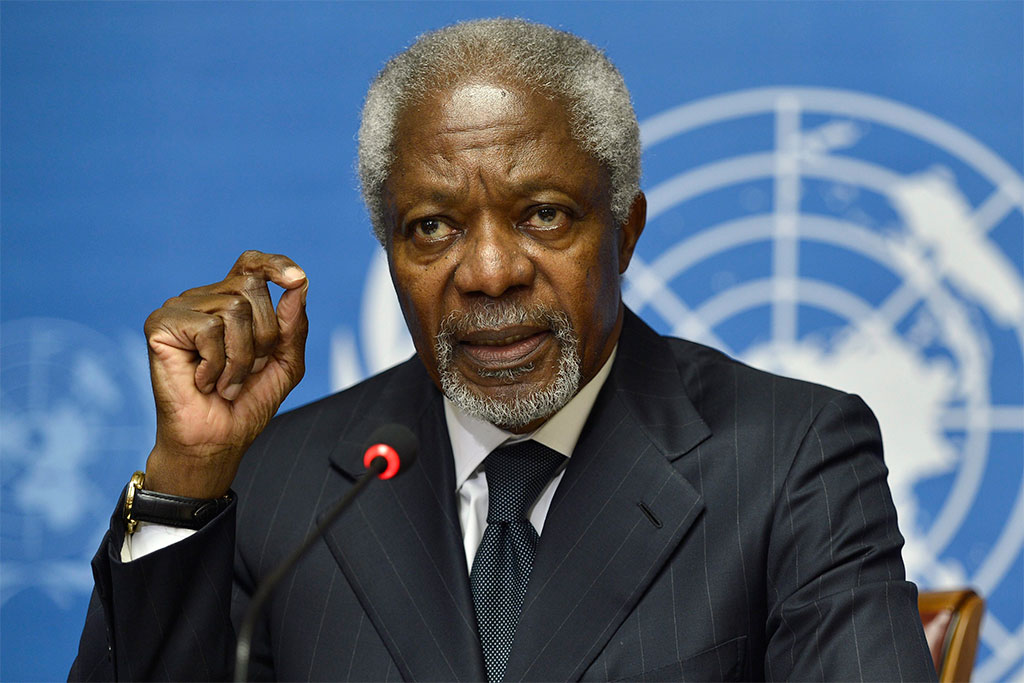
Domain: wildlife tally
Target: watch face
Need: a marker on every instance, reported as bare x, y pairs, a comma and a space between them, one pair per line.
134, 484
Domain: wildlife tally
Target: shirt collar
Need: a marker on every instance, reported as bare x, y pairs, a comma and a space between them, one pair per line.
473, 439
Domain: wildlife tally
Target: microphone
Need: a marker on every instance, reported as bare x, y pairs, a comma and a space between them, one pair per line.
393, 448
387, 442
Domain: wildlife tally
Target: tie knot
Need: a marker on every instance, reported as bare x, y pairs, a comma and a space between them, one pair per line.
516, 475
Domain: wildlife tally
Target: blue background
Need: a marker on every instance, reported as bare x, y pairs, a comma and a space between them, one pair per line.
144, 146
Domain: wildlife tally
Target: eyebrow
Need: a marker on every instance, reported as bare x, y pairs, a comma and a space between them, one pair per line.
439, 195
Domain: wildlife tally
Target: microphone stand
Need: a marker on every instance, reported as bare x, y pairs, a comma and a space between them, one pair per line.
242, 649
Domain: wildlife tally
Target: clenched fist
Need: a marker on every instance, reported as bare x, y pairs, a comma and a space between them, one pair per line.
222, 360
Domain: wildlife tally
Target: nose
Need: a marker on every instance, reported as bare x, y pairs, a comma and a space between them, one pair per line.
493, 262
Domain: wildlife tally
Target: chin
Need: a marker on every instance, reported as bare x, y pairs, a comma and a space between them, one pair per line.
517, 403
517, 396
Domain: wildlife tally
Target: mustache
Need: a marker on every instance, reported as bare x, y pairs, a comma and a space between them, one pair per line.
494, 315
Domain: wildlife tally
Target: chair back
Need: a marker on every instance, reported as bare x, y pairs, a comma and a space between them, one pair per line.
951, 620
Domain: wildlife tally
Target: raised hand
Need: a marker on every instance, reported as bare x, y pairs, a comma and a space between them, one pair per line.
222, 360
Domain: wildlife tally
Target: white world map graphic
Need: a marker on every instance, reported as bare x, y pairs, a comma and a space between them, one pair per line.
76, 415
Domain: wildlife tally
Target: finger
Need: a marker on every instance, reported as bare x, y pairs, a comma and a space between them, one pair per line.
209, 342
236, 312
264, 320
276, 268
248, 277
284, 272
254, 289
191, 331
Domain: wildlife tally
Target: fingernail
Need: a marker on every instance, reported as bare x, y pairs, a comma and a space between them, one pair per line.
259, 364
232, 392
292, 273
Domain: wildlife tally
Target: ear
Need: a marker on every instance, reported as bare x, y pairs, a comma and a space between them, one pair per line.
630, 231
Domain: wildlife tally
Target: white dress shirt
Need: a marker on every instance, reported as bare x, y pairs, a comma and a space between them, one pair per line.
472, 441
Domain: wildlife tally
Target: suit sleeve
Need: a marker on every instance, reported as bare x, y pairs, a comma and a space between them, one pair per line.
839, 607
165, 616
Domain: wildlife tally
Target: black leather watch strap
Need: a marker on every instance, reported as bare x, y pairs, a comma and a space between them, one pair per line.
162, 508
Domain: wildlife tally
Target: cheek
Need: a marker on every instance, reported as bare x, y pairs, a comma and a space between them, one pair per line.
602, 297
588, 290
420, 314
602, 277
597, 300
421, 291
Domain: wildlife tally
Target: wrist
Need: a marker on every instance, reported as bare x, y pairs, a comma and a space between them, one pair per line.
144, 505
191, 477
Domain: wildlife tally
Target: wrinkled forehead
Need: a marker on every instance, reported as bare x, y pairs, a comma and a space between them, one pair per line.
503, 123
490, 107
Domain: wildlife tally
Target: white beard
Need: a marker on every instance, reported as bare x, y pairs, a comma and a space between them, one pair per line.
527, 405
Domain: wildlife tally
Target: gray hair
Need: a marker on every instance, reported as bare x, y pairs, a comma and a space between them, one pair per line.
553, 62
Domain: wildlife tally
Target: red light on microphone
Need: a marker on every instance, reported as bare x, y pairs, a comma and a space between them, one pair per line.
382, 450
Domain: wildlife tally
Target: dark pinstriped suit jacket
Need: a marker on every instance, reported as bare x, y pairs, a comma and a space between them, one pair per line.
714, 522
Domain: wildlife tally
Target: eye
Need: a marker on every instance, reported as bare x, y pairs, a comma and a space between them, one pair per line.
431, 229
548, 218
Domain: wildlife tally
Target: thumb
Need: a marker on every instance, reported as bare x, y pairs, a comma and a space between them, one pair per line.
293, 325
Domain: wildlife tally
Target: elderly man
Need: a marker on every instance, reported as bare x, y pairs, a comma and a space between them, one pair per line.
593, 501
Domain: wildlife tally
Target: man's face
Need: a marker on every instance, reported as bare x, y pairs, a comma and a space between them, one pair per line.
503, 250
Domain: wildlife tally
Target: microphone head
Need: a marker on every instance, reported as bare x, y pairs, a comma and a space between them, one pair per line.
396, 444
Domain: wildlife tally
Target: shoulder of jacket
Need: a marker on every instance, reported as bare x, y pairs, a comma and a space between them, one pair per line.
702, 365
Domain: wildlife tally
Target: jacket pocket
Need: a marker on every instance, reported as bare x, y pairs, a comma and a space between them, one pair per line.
723, 662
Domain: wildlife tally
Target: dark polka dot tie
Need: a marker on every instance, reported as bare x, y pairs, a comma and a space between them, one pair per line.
516, 475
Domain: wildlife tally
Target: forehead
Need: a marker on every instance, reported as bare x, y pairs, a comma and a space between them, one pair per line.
472, 106
484, 107
492, 128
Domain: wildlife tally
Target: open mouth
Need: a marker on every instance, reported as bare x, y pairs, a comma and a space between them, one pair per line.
500, 349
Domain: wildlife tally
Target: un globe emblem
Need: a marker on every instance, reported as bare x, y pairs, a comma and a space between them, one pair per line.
856, 242
77, 419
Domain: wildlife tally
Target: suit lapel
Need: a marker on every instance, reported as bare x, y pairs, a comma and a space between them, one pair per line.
618, 514
400, 545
